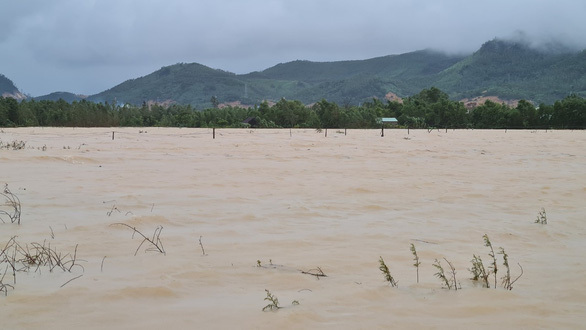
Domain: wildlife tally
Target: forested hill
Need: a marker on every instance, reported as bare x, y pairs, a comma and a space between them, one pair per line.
181, 83
56, 96
499, 68
7, 87
414, 64
508, 70
344, 81
516, 71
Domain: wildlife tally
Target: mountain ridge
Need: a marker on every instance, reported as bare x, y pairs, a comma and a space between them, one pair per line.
8, 89
510, 70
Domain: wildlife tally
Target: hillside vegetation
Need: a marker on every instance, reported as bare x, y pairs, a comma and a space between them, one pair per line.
7, 87
348, 82
516, 71
55, 96
430, 108
499, 68
504, 69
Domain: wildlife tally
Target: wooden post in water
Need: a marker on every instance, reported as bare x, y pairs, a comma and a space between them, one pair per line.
112, 135
214, 133
326, 132
382, 130
345, 129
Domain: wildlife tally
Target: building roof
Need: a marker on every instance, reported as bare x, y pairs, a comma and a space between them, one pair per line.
388, 120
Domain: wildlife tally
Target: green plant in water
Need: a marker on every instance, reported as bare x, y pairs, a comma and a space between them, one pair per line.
273, 302
441, 274
387, 274
506, 279
416, 259
493, 268
541, 217
453, 273
479, 271
450, 283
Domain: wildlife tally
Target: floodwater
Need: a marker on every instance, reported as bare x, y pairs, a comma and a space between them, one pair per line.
266, 205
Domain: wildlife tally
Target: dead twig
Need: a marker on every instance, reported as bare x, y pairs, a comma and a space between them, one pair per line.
16, 257
317, 272
510, 287
13, 204
75, 278
203, 252
4, 287
114, 208
155, 240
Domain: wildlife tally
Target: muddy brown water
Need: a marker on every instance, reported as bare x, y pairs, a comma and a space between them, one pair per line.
296, 201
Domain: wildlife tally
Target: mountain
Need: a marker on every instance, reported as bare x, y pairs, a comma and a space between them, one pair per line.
344, 81
500, 68
7, 89
509, 70
56, 96
513, 70
359, 81
181, 83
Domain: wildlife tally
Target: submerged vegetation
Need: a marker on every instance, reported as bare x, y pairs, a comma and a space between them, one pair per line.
541, 217
387, 273
430, 108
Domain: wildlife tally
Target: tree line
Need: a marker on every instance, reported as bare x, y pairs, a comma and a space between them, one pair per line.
430, 108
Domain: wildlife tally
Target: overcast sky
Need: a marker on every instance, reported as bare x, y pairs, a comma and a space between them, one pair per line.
87, 46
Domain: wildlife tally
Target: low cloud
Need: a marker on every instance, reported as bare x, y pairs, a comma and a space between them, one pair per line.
89, 46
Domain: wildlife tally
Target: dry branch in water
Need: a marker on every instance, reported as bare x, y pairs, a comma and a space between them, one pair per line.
317, 272
16, 257
203, 252
155, 241
12, 204
75, 278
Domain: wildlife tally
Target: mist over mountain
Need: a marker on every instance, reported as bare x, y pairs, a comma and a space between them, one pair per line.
515, 68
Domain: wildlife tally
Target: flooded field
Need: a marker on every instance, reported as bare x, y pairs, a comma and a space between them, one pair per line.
256, 210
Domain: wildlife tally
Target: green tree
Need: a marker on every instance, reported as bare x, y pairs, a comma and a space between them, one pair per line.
490, 115
329, 113
12, 110
544, 114
4, 118
569, 112
215, 102
528, 113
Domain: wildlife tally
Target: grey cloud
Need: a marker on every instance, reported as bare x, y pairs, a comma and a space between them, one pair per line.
88, 46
